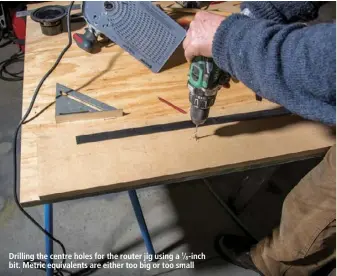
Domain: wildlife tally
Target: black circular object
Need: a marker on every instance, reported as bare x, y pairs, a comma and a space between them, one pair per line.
50, 19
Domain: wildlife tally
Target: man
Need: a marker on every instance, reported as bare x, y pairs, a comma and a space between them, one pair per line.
292, 64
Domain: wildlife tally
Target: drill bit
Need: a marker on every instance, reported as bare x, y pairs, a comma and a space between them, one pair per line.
196, 133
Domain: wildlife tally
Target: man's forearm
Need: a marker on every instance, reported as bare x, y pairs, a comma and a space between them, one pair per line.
287, 64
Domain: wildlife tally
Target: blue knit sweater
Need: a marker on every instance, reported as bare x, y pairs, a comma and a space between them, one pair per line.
291, 64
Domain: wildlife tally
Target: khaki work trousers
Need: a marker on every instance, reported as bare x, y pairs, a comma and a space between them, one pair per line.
306, 237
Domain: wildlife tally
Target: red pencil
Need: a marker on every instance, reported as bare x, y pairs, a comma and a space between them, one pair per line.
172, 105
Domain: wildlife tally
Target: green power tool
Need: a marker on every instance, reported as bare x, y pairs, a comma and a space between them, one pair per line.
204, 81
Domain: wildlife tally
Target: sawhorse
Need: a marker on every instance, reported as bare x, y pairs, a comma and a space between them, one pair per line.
48, 222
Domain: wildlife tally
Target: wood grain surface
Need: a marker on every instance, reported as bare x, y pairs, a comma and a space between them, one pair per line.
54, 167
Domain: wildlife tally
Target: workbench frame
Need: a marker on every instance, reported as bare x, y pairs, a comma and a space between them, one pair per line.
137, 208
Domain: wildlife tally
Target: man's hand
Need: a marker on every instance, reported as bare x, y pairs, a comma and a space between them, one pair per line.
199, 38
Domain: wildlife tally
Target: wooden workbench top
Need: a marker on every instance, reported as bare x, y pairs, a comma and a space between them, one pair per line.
157, 143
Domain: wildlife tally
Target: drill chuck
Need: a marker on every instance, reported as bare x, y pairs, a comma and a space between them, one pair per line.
198, 116
201, 101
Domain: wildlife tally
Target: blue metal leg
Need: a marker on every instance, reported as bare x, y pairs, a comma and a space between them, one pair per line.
141, 221
48, 226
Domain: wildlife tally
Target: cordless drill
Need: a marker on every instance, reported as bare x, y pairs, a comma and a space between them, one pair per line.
204, 81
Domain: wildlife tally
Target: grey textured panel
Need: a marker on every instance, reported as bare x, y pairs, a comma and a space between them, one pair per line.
140, 28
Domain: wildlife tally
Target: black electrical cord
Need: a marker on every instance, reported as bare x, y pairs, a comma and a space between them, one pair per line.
230, 212
16, 134
6, 43
219, 239
6, 35
7, 75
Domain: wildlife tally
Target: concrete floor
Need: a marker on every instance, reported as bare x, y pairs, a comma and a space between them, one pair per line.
182, 217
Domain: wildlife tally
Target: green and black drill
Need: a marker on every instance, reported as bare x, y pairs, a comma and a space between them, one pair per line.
204, 81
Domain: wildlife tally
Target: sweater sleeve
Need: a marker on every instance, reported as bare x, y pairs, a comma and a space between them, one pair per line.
283, 11
292, 65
